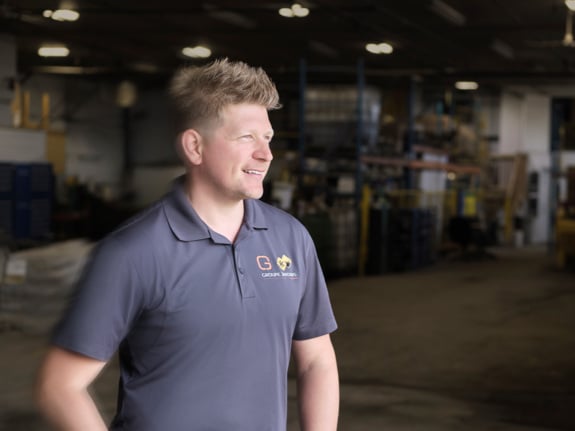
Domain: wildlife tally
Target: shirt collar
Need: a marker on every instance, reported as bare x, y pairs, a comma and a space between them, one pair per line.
183, 220
254, 216
188, 226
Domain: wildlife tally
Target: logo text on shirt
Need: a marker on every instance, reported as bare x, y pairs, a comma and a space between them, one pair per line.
283, 262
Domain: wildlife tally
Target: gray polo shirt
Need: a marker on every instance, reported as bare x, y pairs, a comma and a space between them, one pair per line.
203, 326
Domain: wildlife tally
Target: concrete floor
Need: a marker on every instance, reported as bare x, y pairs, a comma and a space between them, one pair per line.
461, 345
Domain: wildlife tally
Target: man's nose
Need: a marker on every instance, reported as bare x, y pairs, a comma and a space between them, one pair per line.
264, 151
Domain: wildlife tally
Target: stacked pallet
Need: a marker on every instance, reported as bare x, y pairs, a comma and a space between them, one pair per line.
37, 283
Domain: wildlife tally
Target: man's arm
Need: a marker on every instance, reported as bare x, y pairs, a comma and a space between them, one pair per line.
62, 391
317, 382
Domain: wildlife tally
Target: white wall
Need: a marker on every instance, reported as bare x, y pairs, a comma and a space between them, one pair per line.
510, 133
95, 136
491, 118
536, 143
567, 160
55, 87
22, 145
526, 127
86, 110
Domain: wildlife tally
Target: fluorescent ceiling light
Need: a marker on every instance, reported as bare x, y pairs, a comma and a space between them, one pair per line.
570, 4
197, 51
296, 10
299, 10
447, 12
53, 51
379, 48
466, 85
62, 15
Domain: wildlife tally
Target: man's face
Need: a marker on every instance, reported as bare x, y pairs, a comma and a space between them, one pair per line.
236, 153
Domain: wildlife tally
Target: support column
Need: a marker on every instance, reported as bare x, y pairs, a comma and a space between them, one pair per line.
7, 78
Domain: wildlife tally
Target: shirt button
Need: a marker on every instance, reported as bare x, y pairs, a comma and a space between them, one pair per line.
241, 270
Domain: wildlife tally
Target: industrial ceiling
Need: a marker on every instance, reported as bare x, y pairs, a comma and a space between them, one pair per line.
489, 40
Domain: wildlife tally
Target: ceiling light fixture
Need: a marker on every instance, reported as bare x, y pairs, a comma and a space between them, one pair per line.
295, 11
379, 48
286, 12
448, 13
466, 85
299, 10
53, 51
197, 51
68, 15
570, 4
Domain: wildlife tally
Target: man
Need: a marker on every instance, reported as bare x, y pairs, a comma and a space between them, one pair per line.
206, 293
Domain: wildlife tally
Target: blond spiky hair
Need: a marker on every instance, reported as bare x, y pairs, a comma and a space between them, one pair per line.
199, 93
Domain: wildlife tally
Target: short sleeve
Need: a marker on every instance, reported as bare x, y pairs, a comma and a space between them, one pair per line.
315, 316
107, 299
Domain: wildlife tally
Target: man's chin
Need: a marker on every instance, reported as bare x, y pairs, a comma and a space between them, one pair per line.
254, 194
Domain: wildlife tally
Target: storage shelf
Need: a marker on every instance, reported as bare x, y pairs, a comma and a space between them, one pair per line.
421, 164
429, 150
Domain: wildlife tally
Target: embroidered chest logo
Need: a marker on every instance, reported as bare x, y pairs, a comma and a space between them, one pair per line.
283, 262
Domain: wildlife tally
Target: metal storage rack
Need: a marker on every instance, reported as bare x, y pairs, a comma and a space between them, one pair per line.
26, 196
334, 127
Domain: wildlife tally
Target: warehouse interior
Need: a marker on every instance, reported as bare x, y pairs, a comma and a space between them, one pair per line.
427, 146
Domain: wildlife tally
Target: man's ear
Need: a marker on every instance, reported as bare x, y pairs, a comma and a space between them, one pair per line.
191, 146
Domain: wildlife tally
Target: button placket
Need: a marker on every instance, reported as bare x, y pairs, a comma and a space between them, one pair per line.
246, 287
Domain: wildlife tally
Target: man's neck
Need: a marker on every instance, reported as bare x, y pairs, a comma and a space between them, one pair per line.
223, 217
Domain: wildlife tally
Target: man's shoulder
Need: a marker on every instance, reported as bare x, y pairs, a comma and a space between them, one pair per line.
146, 227
273, 214
282, 223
